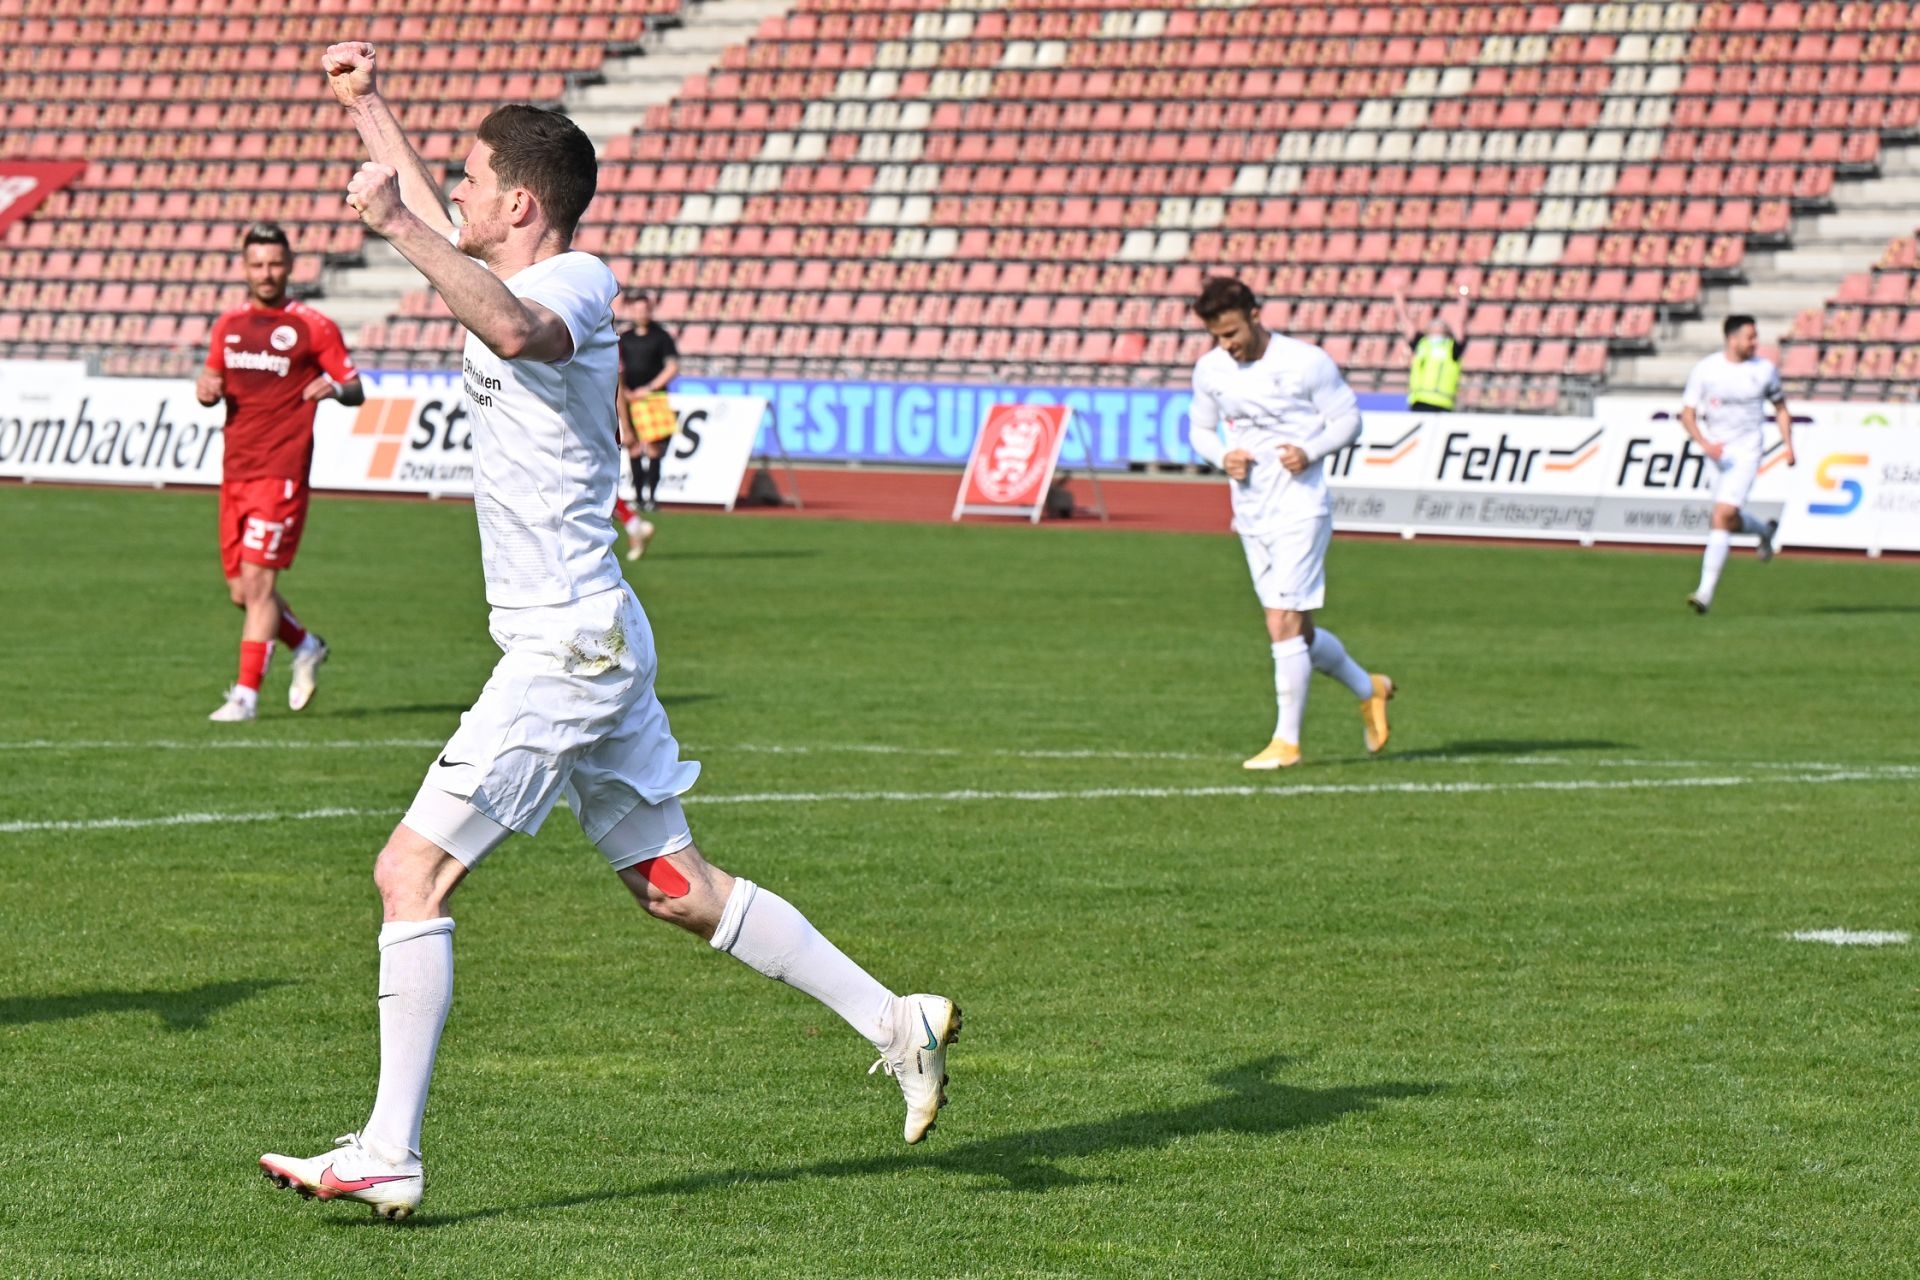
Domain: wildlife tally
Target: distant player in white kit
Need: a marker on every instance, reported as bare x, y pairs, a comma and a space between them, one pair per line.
1724, 410
1266, 410
570, 708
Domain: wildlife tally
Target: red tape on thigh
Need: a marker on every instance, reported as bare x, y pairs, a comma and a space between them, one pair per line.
665, 877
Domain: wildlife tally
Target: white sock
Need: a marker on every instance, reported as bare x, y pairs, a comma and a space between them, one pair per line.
416, 989
1752, 524
1292, 670
1330, 658
764, 931
1719, 543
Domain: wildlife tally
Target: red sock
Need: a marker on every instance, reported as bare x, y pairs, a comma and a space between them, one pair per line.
254, 655
291, 632
621, 511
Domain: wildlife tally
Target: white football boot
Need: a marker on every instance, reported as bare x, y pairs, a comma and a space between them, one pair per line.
923, 1028
350, 1172
639, 534
241, 704
306, 670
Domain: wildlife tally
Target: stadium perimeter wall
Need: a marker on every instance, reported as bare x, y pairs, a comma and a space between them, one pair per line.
1627, 473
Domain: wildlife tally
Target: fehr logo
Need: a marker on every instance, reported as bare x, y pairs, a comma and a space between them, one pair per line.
1393, 451
1855, 492
386, 421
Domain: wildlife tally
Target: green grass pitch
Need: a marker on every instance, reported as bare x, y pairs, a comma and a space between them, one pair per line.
1516, 999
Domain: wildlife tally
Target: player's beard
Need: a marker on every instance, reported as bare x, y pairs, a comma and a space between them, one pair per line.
479, 236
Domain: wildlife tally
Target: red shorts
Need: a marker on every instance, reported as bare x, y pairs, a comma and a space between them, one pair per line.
260, 522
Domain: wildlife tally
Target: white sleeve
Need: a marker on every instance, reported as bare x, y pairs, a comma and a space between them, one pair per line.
581, 293
1203, 427
1339, 411
1695, 394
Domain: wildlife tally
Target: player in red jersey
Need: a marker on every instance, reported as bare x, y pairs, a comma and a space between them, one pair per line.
272, 361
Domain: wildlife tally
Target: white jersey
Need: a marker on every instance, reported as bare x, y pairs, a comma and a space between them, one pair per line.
545, 445
1730, 399
1293, 394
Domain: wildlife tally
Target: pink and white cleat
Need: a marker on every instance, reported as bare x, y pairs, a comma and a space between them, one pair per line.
350, 1172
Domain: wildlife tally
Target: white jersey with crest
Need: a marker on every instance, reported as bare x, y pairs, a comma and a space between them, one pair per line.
1730, 399
545, 445
1292, 395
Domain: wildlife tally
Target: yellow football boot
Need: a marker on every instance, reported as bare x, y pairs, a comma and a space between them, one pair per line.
1374, 713
1278, 755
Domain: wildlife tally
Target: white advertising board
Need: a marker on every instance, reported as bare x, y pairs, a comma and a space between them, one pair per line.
410, 436
1856, 487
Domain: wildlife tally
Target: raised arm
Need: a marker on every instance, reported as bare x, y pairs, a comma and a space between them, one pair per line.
1458, 314
511, 327
1408, 328
349, 68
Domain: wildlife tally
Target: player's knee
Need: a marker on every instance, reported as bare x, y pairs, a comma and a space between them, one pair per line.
682, 889
403, 878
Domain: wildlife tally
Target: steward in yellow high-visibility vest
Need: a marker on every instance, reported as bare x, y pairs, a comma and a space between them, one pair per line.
1433, 382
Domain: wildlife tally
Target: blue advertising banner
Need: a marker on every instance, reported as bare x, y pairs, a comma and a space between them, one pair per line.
935, 422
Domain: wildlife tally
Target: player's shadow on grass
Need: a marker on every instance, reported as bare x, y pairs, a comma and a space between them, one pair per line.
1519, 747
409, 709
1866, 608
187, 1010
1250, 1104
753, 553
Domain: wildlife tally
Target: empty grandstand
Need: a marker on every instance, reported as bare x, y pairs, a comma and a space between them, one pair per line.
1031, 190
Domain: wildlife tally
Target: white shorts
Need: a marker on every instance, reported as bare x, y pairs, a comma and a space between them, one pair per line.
1734, 475
1289, 564
569, 710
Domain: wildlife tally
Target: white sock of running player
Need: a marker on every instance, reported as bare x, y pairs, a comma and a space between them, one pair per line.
1330, 658
1719, 543
416, 989
1750, 523
1292, 670
766, 933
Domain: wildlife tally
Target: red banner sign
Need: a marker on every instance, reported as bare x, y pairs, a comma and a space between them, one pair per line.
25, 183
1013, 460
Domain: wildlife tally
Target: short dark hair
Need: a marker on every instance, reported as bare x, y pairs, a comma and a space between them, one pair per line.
545, 153
1735, 324
265, 233
1223, 294
636, 294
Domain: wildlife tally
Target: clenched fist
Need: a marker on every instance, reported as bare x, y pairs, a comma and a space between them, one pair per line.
374, 194
349, 68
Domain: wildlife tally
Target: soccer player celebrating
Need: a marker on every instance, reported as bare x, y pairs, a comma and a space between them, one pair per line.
570, 709
272, 361
1266, 410
1724, 410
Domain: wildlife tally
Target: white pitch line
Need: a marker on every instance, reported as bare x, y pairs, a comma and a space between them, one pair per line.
182, 820
1893, 774
1853, 937
221, 744
1888, 774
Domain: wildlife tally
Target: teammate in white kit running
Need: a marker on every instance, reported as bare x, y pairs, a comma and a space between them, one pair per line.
1266, 410
1724, 410
570, 708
